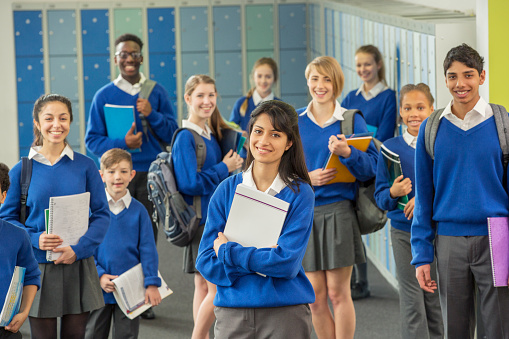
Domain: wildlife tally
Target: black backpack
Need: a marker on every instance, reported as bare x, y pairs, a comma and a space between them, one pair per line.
371, 218
26, 177
178, 220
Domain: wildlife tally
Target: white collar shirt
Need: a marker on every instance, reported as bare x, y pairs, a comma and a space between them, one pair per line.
372, 93
337, 115
410, 139
118, 206
277, 185
482, 111
34, 154
127, 87
257, 99
202, 132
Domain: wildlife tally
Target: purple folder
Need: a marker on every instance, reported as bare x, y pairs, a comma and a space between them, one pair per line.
498, 228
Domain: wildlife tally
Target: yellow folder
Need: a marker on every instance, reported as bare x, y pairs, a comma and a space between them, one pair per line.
343, 174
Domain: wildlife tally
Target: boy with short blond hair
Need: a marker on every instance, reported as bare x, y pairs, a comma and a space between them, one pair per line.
129, 241
16, 251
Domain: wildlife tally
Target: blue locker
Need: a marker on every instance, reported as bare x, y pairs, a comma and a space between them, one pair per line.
74, 134
62, 32
410, 56
95, 31
28, 33
292, 26
96, 74
293, 64
30, 78
163, 70
424, 58
88, 103
64, 76
228, 73
296, 100
161, 30
174, 106
194, 63
225, 105
227, 29
25, 124
194, 29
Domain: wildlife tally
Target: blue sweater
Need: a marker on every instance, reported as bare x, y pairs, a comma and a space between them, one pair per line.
66, 177
129, 241
234, 271
379, 112
161, 119
382, 191
190, 182
315, 140
240, 120
460, 189
16, 251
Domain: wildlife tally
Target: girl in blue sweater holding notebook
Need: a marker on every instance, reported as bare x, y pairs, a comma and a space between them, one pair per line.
263, 292
335, 243
204, 118
70, 285
420, 311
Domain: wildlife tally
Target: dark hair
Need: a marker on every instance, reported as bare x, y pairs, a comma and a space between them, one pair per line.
283, 117
129, 37
262, 61
216, 121
377, 56
4, 177
115, 156
421, 87
39, 106
466, 55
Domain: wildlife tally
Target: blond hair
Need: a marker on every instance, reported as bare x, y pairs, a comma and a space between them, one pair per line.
113, 157
330, 67
262, 61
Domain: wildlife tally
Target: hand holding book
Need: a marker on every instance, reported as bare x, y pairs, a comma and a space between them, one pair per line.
401, 187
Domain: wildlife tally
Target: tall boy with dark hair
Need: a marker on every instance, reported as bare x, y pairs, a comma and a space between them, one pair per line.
455, 194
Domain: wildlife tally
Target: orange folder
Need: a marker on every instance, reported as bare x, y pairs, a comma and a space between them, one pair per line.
343, 174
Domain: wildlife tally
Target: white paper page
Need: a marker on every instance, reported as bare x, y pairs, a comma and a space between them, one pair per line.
255, 218
13, 298
68, 218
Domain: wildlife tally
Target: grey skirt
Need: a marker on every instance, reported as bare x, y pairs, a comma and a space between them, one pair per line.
335, 239
67, 289
191, 252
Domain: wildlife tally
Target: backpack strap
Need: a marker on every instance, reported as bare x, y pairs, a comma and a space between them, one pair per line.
348, 122
145, 91
201, 154
502, 122
26, 177
430, 132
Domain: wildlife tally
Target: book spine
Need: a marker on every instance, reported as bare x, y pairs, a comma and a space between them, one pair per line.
49, 254
493, 271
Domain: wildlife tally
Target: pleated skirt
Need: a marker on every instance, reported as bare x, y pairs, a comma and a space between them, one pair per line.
335, 239
67, 289
191, 252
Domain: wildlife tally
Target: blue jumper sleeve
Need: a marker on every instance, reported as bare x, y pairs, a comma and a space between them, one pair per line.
27, 259
285, 260
235, 115
388, 121
189, 180
382, 187
361, 164
148, 252
423, 228
100, 270
162, 119
99, 215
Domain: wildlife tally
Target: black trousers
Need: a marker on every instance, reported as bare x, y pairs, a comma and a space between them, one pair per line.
138, 190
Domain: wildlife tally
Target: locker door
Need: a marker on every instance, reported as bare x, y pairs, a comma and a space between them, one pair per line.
163, 70
128, 20
292, 26
28, 33
96, 74
410, 56
417, 57
293, 64
229, 74
424, 58
227, 28
62, 32
30, 79
95, 32
161, 30
259, 27
194, 29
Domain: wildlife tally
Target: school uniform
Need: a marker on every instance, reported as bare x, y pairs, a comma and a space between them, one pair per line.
455, 194
65, 289
191, 183
16, 251
421, 316
162, 120
252, 103
128, 242
378, 106
246, 302
335, 240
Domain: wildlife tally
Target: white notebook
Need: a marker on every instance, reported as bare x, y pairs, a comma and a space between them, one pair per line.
256, 218
68, 218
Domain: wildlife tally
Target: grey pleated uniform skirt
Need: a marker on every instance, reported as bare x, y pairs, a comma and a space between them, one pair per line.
191, 252
67, 289
335, 239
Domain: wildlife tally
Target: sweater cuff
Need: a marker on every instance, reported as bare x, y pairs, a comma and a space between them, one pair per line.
120, 143
222, 170
34, 239
152, 281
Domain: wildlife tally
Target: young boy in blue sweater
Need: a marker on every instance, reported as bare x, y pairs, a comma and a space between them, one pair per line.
455, 194
16, 251
129, 241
